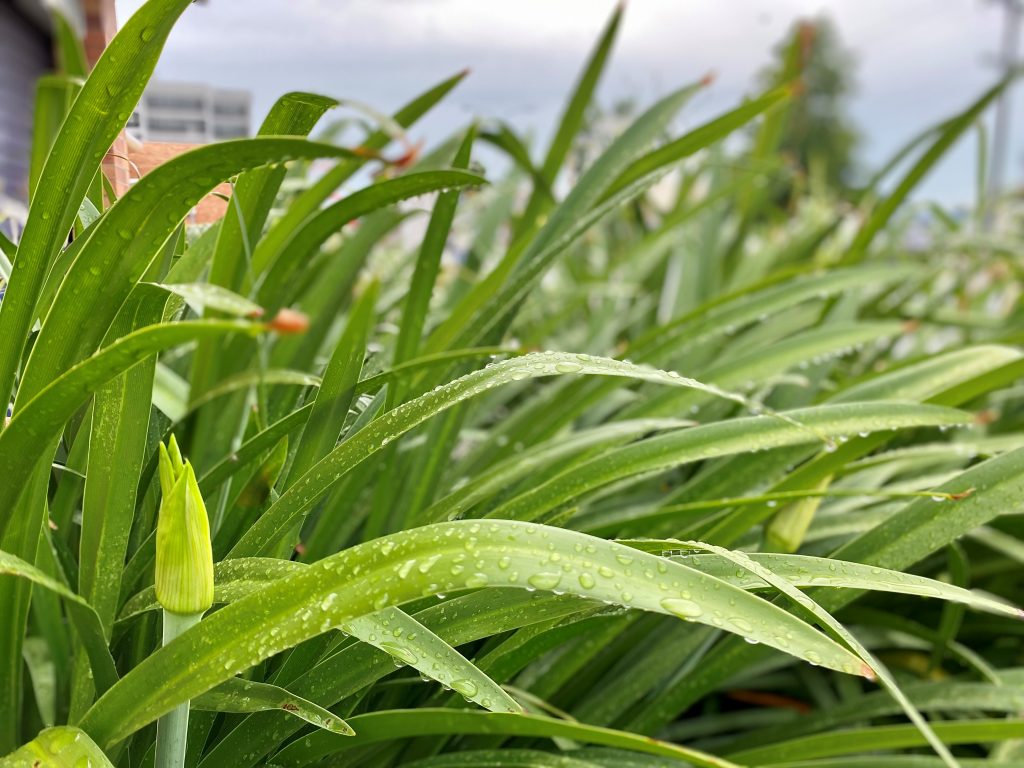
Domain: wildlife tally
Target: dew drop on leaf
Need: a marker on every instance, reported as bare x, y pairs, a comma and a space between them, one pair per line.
681, 607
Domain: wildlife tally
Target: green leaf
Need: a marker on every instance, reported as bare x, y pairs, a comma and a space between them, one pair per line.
384, 726
295, 502
334, 396
247, 379
425, 561
948, 134
458, 620
116, 444
722, 439
828, 622
570, 123
294, 114
588, 202
238, 695
233, 580
203, 296
83, 616
99, 112
504, 138
428, 262
56, 403
767, 361
281, 231
512, 758
853, 741
806, 571
60, 747
53, 98
715, 321
913, 533
279, 274
122, 244
699, 138
488, 305
523, 464
253, 193
399, 635
409, 642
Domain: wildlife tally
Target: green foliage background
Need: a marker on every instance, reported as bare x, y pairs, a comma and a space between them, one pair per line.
638, 470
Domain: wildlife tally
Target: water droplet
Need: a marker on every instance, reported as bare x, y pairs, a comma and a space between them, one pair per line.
400, 652
544, 580
681, 607
741, 624
466, 687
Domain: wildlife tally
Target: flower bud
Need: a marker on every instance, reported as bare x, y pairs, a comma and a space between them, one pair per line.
184, 556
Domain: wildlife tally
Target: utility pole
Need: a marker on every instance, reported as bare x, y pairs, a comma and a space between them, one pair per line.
1013, 12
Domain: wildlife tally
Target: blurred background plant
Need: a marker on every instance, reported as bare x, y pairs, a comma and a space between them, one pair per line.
656, 447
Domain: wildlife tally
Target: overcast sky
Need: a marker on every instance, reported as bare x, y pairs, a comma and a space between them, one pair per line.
918, 60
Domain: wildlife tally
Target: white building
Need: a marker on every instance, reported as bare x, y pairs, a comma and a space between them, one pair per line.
190, 113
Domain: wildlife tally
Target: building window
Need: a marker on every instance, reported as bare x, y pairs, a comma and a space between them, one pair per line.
173, 102
221, 108
229, 131
170, 125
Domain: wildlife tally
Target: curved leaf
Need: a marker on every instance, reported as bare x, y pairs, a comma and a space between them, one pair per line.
85, 619
722, 439
282, 515
409, 642
384, 726
431, 560
855, 740
121, 245
322, 225
390, 630
97, 115
238, 695
45, 414
806, 571
59, 747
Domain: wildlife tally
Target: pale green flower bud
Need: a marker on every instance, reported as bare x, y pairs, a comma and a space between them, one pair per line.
184, 557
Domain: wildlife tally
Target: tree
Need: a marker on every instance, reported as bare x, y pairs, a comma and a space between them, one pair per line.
817, 133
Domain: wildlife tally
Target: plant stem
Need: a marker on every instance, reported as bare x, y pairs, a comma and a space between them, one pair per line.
172, 728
